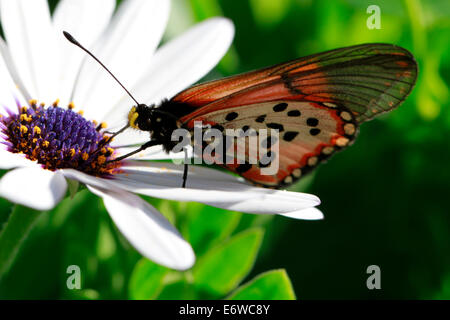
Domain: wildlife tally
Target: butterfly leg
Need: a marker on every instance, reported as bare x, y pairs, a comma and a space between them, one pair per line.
185, 172
115, 133
141, 148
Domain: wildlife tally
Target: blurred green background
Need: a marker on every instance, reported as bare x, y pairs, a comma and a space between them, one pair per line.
384, 199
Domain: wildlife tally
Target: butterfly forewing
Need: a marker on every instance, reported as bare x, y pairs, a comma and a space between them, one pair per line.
366, 79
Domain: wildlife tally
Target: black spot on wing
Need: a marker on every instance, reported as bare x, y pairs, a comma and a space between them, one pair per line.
294, 113
312, 122
231, 116
280, 107
314, 131
243, 167
290, 135
277, 126
261, 118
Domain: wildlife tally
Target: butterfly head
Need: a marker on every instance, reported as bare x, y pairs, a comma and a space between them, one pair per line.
140, 116
159, 123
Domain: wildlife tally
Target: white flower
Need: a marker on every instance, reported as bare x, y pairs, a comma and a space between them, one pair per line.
37, 62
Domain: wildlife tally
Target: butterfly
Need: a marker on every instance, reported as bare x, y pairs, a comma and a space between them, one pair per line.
316, 104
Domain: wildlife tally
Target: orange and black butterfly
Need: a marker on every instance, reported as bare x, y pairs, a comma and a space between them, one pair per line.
316, 103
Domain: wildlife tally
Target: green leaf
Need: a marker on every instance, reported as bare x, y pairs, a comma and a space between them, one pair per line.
146, 280
106, 245
68, 206
222, 268
271, 285
73, 185
207, 226
179, 290
14, 233
6, 209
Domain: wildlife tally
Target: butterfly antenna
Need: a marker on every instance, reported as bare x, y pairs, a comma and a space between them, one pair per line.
75, 42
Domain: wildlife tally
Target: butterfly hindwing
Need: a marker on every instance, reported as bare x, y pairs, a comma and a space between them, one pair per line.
297, 137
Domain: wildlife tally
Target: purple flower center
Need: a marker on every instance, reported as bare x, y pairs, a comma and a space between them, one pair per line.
58, 138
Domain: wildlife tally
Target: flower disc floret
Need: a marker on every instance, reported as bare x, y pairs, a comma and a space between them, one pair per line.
58, 138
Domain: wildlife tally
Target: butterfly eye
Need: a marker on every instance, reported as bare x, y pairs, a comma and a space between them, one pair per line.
144, 122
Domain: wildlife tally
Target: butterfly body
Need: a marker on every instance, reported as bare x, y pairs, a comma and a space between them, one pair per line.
315, 104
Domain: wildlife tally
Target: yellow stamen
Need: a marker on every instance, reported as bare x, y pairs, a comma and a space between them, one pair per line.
32, 102
55, 104
95, 122
23, 129
85, 156
81, 112
72, 152
25, 117
37, 130
45, 144
101, 160
71, 105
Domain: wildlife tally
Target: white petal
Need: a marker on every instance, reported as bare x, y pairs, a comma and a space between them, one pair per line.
32, 187
85, 20
153, 153
31, 39
180, 63
9, 160
126, 49
208, 186
10, 80
305, 214
129, 137
212, 187
147, 230
89, 180
271, 203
